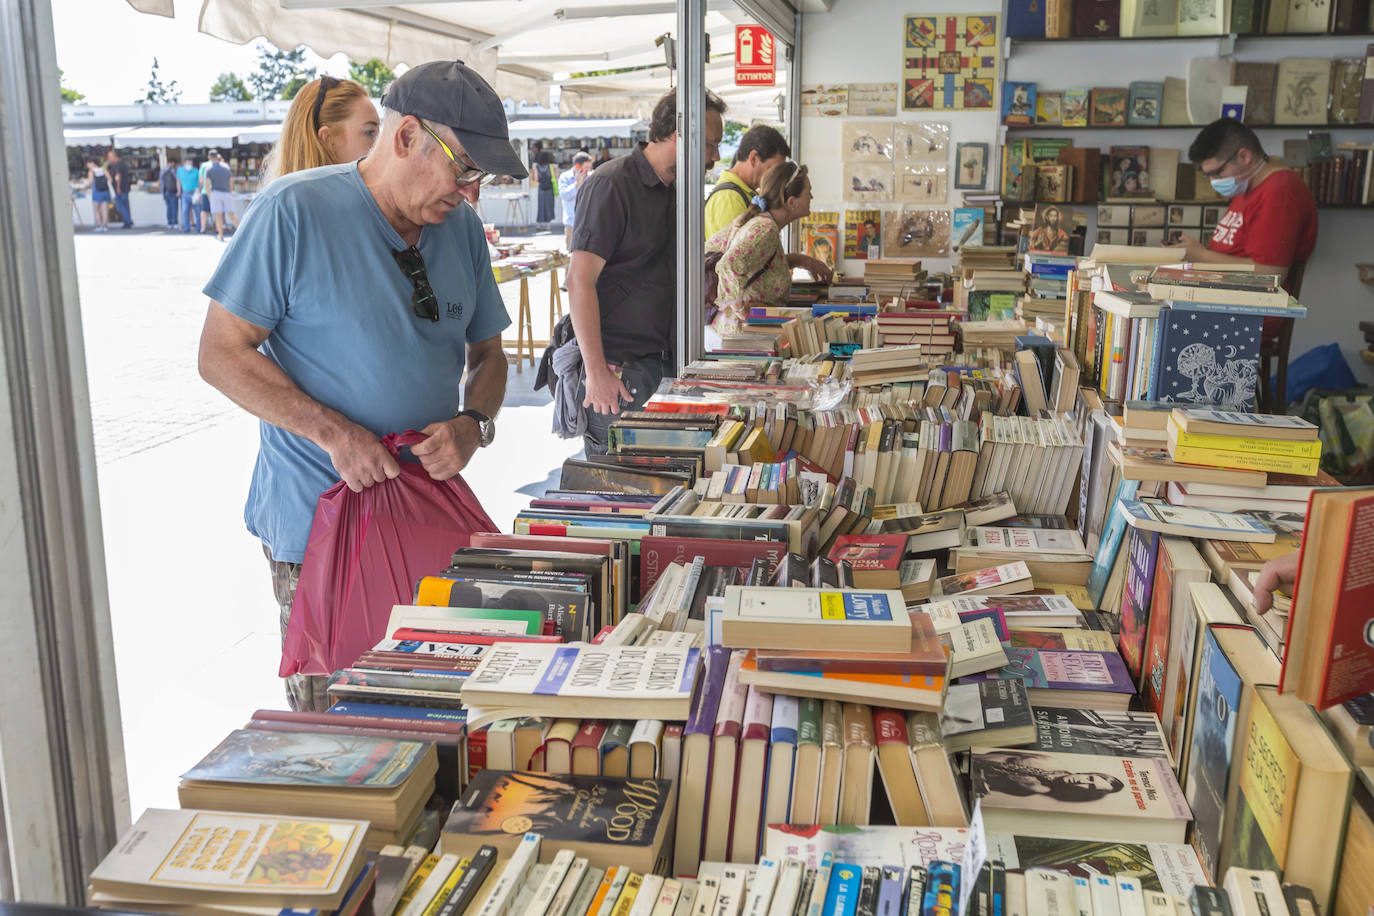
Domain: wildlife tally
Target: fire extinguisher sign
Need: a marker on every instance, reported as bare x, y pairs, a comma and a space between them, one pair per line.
755, 57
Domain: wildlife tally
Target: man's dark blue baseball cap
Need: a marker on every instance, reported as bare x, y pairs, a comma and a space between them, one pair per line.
453, 94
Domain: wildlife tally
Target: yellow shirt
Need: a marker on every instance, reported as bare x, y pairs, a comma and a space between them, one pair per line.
722, 208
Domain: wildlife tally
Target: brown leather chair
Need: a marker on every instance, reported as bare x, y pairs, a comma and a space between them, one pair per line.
1273, 355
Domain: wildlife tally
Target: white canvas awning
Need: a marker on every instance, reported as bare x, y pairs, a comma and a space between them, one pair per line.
261, 133
91, 136
576, 128
193, 137
521, 47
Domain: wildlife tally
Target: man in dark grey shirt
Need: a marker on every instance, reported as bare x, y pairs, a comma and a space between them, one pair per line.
622, 282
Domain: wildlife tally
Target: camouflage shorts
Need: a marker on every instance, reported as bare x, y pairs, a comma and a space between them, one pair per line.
305, 692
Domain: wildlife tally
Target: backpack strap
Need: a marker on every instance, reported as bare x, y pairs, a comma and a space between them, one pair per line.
729, 186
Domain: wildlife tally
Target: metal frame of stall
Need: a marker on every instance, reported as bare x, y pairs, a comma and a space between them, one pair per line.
64, 797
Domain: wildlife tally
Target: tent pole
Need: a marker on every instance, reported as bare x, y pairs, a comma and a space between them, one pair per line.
64, 797
691, 191
794, 121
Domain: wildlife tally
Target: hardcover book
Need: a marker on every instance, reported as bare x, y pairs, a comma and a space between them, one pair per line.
1096, 18
308, 760
608, 821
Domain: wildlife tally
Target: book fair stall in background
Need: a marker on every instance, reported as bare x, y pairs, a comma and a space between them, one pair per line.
935, 590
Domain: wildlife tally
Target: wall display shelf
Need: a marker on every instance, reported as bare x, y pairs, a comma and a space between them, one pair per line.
1020, 129
1230, 36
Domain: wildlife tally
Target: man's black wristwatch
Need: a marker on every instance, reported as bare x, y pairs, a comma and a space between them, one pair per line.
485, 425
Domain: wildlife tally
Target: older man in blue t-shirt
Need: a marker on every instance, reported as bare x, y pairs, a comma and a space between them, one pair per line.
347, 306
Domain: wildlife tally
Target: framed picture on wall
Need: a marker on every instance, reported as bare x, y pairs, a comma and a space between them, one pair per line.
971, 166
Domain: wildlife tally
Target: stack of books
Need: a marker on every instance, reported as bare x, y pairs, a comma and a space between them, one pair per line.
1247, 441
891, 279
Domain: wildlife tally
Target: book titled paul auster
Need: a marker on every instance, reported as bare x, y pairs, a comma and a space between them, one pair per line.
635, 682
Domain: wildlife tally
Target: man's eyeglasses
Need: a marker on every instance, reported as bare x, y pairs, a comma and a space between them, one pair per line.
469, 173
326, 83
1216, 172
423, 302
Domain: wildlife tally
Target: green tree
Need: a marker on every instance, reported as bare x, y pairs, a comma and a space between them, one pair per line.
277, 70
158, 92
374, 75
69, 95
229, 88
294, 86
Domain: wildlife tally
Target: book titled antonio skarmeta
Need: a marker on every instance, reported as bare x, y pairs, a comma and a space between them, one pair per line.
806, 618
585, 681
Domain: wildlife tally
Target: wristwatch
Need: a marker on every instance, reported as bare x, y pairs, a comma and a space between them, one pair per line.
485, 425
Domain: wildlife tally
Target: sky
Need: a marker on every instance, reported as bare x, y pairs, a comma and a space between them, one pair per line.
106, 49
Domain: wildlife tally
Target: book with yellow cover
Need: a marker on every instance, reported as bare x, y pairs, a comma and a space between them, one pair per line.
209, 857
1290, 448
1250, 461
756, 447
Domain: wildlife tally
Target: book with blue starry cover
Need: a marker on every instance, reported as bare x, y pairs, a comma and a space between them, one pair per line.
1207, 358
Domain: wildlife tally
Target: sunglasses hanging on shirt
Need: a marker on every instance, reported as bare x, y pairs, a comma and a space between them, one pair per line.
423, 302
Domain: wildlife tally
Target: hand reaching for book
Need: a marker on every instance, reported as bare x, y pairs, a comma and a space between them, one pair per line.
1275, 574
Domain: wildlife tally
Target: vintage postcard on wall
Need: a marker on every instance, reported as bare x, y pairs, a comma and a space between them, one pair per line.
922, 184
971, 166
1018, 104
820, 236
867, 141
1204, 17
917, 232
1049, 109
868, 181
1130, 172
872, 100
921, 141
863, 234
824, 101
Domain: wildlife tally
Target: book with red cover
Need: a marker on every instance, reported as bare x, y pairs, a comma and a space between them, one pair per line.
586, 746
875, 558
1096, 18
656, 553
1329, 646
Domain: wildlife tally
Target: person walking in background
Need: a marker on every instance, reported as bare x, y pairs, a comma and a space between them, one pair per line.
119, 186
602, 157
203, 197
171, 192
568, 184
219, 178
330, 121
188, 177
545, 173
100, 196
753, 268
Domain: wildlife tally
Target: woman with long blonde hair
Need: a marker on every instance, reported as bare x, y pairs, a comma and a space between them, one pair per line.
330, 121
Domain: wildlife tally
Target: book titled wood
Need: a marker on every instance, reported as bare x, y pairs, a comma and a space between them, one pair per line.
585, 681
798, 618
212, 857
607, 820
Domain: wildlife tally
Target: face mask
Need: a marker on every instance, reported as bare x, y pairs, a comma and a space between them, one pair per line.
1230, 187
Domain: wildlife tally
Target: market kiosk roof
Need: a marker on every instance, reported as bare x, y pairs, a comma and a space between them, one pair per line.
183, 137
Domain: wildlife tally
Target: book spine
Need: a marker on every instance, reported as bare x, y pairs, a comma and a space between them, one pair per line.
1216, 458
473, 877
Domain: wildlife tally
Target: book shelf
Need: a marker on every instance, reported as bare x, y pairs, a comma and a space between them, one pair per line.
1231, 36
1016, 128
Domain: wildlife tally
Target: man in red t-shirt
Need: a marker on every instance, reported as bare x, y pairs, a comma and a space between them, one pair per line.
1272, 219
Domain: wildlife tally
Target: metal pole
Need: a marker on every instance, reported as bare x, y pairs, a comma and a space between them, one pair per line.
63, 791
691, 178
794, 120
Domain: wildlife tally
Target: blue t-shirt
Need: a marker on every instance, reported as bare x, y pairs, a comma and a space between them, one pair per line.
312, 262
189, 178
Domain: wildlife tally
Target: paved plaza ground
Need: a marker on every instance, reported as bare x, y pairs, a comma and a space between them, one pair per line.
195, 623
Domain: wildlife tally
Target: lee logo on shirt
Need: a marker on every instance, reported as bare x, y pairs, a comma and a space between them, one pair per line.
455, 310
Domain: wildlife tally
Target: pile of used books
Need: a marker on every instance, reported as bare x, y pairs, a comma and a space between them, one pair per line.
840, 634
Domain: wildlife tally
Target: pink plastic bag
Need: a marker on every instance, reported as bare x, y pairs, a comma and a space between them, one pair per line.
366, 552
